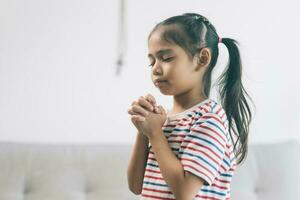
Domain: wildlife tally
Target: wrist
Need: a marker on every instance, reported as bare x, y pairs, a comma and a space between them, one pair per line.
155, 135
142, 136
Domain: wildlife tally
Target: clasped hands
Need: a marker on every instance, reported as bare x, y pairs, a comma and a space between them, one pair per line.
146, 116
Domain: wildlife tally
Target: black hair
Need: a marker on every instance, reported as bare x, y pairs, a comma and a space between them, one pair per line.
192, 32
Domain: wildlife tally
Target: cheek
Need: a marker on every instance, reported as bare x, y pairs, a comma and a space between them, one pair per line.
182, 80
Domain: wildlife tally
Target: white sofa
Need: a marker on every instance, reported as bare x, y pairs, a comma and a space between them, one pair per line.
96, 172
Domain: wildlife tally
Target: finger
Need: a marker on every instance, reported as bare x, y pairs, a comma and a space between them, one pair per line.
151, 99
134, 103
162, 110
137, 118
143, 102
139, 110
158, 110
129, 111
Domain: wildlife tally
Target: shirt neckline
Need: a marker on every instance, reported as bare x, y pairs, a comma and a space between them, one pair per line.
181, 114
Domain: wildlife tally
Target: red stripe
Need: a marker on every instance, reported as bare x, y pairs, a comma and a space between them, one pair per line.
193, 161
216, 118
209, 135
174, 141
153, 177
226, 154
151, 154
219, 110
197, 171
207, 197
223, 115
200, 145
188, 124
152, 159
205, 110
179, 135
155, 197
222, 181
221, 136
191, 148
222, 165
158, 172
218, 186
169, 125
188, 119
160, 191
153, 171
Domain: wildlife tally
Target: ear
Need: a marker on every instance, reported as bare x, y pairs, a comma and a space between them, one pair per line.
203, 58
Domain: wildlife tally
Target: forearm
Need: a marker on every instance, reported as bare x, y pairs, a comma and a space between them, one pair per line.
137, 163
170, 166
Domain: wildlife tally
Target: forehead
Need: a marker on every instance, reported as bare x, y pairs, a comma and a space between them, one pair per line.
157, 45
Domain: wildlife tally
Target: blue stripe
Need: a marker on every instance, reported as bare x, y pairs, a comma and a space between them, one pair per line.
178, 129
157, 184
211, 191
209, 142
198, 113
199, 123
195, 113
201, 159
226, 163
167, 131
213, 106
175, 149
215, 126
226, 175
153, 165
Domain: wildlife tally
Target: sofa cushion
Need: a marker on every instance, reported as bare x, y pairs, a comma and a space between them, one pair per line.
90, 172
270, 172
63, 172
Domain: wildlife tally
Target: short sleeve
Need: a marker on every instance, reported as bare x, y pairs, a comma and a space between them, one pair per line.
203, 148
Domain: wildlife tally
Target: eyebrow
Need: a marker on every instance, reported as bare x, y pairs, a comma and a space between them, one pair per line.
162, 51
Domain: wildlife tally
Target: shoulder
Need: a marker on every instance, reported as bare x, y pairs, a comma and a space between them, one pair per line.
211, 110
211, 117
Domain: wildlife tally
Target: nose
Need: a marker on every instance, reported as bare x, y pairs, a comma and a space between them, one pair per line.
157, 69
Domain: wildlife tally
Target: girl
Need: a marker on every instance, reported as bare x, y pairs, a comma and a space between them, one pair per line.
192, 151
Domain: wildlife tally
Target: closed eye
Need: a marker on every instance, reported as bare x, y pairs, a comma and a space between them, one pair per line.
164, 60
168, 59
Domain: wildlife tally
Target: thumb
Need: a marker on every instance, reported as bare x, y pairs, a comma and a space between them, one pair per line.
157, 109
161, 110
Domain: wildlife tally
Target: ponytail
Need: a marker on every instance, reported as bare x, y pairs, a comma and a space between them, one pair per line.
233, 99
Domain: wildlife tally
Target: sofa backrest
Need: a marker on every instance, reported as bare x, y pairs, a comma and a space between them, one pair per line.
63, 172
270, 172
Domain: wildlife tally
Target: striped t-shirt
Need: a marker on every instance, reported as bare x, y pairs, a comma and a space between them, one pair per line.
200, 139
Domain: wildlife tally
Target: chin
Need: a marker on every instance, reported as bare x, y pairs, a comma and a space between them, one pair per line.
166, 92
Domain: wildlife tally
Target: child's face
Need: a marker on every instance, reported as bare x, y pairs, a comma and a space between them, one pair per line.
171, 63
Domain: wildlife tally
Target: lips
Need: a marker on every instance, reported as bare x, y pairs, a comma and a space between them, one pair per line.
159, 81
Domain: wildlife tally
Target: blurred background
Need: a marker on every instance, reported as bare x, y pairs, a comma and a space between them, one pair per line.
60, 80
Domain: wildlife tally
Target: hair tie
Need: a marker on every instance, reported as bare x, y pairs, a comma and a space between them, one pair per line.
201, 19
220, 40
197, 17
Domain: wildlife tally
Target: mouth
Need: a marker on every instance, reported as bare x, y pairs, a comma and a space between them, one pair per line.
160, 82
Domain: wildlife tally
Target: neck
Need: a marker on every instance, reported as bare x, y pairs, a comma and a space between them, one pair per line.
185, 101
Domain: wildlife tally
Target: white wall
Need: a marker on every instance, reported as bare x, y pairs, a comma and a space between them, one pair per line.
57, 66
